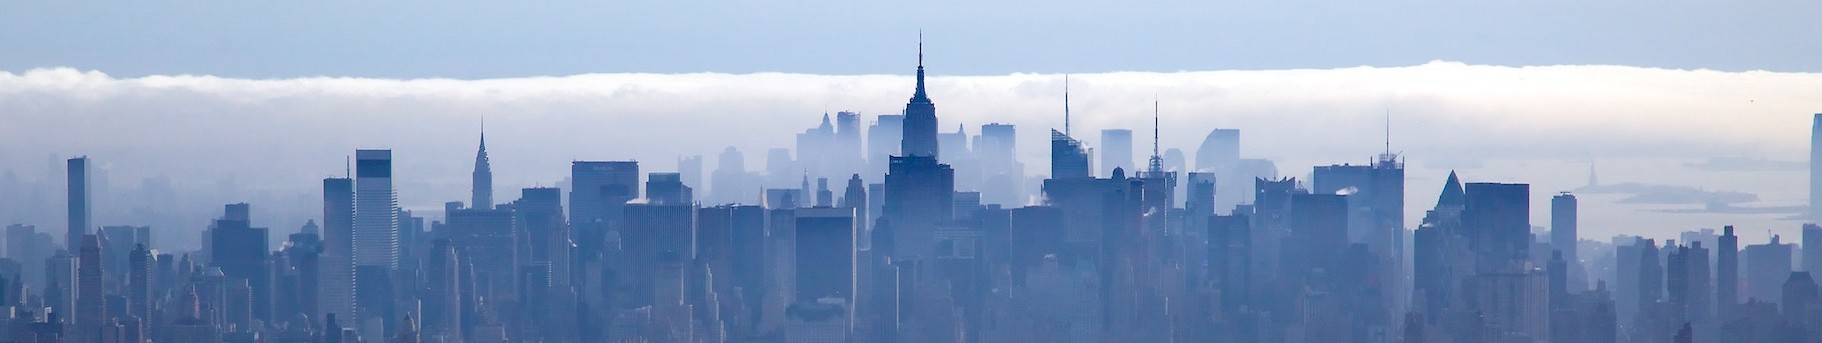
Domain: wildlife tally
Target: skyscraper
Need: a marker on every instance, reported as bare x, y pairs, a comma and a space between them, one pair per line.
1812, 248
337, 279
90, 301
1767, 265
1815, 169
376, 235
598, 191
920, 117
1068, 160
1116, 151
139, 283
825, 254
1563, 237
81, 215
1497, 221
1220, 151
482, 197
1727, 273
240, 250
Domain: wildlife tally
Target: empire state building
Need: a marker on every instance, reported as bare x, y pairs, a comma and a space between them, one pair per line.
920, 117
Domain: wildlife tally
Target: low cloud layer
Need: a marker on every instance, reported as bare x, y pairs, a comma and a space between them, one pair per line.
283, 135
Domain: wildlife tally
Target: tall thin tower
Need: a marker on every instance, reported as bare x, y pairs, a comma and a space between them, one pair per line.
1156, 164
1815, 169
81, 214
335, 283
483, 177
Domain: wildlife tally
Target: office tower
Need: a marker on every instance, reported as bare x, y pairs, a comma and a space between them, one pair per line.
814, 148
81, 215
299, 275
337, 279
1696, 292
482, 197
1002, 176
846, 152
919, 196
855, 196
1068, 160
1766, 267
139, 284
1116, 151
486, 238
240, 251
597, 192
1801, 306
1815, 169
443, 306
1375, 201
653, 234
1563, 235
90, 301
824, 196
825, 254
1727, 273
1497, 219
376, 235
731, 183
1220, 151
920, 117
668, 188
689, 168
1812, 247
883, 140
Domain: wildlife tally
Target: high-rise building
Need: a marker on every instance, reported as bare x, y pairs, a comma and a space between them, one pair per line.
668, 188
376, 222
846, 153
80, 201
1727, 273
240, 250
91, 309
1563, 236
1815, 169
1812, 247
1220, 151
486, 238
1068, 159
598, 191
443, 306
825, 254
1767, 265
1002, 176
336, 281
919, 196
482, 187
883, 140
920, 117
139, 284
376, 235
1116, 151
689, 169
1497, 221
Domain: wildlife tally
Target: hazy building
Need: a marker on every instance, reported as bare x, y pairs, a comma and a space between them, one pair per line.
337, 278
919, 196
920, 119
91, 301
1068, 159
376, 233
1812, 247
481, 190
240, 250
1220, 151
1563, 237
1815, 169
1116, 151
668, 188
825, 254
81, 213
1767, 265
598, 192
883, 140
1727, 273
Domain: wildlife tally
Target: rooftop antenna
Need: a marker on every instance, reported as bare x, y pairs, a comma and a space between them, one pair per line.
347, 167
1388, 131
920, 48
1156, 164
1065, 104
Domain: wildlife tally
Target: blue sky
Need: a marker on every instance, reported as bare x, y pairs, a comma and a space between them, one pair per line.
488, 39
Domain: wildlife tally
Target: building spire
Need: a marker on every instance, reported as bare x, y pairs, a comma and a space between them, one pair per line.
1157, 161
481, 195
1065, 104
920, 95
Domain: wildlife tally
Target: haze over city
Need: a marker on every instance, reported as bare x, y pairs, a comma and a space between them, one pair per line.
1659, 127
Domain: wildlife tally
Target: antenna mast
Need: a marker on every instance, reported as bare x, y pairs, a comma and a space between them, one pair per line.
1065, 104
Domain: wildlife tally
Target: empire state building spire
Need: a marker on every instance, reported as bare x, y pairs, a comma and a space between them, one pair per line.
920, 115
483, 177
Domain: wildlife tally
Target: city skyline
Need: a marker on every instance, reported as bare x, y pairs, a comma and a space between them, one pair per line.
960, 240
